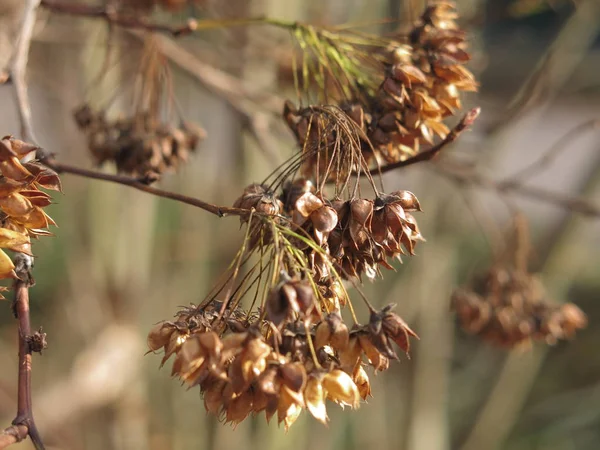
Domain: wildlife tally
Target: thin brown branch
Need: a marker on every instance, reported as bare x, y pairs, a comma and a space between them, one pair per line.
114, 18
467, 175
464, 123
139, 184
231, 88
19, 67
548, 157
13, 435
23, 424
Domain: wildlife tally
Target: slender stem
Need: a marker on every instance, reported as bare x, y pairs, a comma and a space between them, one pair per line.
19, 66
220, 211
23, 424
133, 22
113, 17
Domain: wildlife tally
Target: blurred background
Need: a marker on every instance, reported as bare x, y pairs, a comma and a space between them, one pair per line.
123, 260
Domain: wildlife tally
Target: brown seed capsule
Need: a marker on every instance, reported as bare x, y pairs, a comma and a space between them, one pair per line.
341, 389
160, 335
314, 397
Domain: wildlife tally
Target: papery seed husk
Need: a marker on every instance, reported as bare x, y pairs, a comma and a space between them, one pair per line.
159, 336
314, 397
293, 376
340, 388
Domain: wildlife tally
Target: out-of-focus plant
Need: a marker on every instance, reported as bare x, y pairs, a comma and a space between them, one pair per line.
278, 333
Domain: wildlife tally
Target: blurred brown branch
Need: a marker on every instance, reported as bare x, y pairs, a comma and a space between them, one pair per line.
142, 185
19, 66
114, 18
467, 175
23, 424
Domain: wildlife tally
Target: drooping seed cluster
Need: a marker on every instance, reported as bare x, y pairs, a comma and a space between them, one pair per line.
245, 368
508, 308
138, 145
354, 237
421, 88
22, 201
313, 234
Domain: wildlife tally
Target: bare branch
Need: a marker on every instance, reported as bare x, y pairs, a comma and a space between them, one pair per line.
468, 176
111, 16
19, 67
13, 435
23, 424
142, 185
547, 158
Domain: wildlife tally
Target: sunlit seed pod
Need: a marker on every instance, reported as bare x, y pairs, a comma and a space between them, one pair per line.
239, 408
350, 357
341, 389
213, 396
175, 341
340, 336
361, 379
357, 114
13, 240
408, 74
314, 397
322, 335
396, 92
16, 205
13, 169
293, 375
402, 54
306, 204
373, 354
408, 201
572, 319
159, 335
324, 219
289, 406
21, 148
6, 267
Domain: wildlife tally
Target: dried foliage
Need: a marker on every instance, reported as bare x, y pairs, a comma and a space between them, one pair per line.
146, 143
422, 83
278, 332
507, 306
22, 201
271, 336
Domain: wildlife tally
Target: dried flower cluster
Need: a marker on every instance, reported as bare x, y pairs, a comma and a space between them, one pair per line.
145, 142
310, 235
138, 145
245, 366
22, 201
508, 308
421, 88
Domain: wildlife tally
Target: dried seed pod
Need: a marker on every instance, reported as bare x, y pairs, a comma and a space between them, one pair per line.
314, 397
507, 307
260, 198
340, 388
291, 298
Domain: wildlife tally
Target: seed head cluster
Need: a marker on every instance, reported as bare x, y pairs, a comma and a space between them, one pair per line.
422, 83
293, 360
139, 145
508, 307
22, 200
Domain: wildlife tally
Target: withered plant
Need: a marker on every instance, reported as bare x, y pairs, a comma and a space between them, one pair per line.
279, 332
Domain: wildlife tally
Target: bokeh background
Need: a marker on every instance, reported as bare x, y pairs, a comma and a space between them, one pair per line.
123, 260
